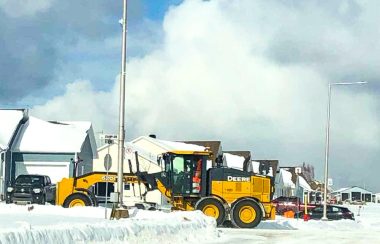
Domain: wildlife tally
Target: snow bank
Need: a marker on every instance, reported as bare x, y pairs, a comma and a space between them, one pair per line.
367, 218
365, 229
52, 224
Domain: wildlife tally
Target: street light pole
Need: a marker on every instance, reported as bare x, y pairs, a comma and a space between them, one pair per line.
120, 169
327, 149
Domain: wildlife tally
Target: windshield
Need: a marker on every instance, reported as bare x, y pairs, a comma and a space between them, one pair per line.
28, 179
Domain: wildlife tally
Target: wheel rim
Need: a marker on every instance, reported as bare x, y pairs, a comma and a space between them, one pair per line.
76, 203
247, 214
211, 210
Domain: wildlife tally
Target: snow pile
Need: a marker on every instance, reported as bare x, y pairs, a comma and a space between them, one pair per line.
365, 229
367, 218
52, 224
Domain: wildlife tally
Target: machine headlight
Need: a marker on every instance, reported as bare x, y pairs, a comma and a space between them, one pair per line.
37, 190
9, 189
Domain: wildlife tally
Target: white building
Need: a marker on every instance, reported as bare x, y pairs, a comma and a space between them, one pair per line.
290, 182
303, 188
377, 198
29, 145
283, 184
354, 193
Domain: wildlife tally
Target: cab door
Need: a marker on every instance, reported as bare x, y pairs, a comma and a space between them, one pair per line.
181, 175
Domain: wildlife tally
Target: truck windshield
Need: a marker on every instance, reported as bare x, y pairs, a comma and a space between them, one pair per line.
28, 179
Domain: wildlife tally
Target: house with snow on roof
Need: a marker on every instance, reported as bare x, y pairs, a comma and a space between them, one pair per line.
284, 185
291, 182
352, 194
29, 145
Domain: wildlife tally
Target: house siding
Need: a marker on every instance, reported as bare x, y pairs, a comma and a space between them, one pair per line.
8, 154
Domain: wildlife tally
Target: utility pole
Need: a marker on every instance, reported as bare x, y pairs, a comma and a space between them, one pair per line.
120, 169
327, 148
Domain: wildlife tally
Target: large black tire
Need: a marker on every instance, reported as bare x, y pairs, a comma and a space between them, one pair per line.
212, 207
246, 213
77, 199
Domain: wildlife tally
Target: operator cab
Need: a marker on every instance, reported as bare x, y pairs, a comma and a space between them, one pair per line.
185, 173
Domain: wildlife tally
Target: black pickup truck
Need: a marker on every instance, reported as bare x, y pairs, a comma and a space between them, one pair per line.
31, 189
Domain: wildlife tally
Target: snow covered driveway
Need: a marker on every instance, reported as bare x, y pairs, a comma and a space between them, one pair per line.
52, 224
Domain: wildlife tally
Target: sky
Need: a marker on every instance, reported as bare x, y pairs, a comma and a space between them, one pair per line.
251, 73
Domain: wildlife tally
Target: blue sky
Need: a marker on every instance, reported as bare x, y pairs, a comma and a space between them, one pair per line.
59, 62
156, 9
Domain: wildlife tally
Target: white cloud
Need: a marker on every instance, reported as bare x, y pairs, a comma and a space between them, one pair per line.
216, 76
81, 102
19, 8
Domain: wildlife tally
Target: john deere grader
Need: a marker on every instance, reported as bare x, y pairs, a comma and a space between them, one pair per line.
224, 193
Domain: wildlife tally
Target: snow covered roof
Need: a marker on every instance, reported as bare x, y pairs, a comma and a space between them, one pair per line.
171, 145
255, 166
341, 189
233, 161
54, 137
9, 120
286, 177
302, 183
182, 146
131, 148
352, 189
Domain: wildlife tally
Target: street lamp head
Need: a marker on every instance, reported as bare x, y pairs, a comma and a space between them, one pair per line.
350, 83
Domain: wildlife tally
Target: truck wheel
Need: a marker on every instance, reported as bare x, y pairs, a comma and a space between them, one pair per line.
246, 214
77, 200
213, 208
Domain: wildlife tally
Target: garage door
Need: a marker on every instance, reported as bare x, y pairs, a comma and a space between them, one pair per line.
55, 170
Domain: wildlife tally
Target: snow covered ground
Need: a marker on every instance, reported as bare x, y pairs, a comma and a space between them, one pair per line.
51, 224
365, 229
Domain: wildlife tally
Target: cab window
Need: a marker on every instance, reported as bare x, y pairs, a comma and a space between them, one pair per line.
178, 165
